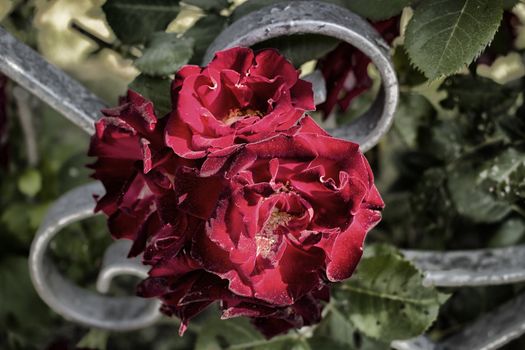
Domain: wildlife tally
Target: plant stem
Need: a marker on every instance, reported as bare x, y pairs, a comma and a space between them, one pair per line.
25, 114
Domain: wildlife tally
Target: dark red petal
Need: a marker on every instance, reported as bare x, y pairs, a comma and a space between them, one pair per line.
270, 64
238, 59
348, 246
303, 95
197, 195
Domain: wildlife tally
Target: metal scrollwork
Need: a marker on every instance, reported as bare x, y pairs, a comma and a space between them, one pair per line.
79, 304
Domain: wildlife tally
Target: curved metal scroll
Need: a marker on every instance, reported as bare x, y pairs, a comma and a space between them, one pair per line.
78, 304
303, 17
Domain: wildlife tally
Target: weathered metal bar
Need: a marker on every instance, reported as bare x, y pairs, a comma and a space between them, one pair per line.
116, 263
464, 268
318, 85
63, 93
313, 17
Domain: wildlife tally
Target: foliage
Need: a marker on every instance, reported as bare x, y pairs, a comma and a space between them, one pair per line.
444, 36
134, 21
385, 291
164, 54
451, 171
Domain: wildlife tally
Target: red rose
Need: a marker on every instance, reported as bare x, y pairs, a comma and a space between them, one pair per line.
295, 212
240, 97
135, 168
291, 217
259, 214
345, 69
186, 289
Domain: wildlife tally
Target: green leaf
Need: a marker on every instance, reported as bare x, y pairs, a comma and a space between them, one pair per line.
337, 332
509, 4
25, 321
300, 49
203, 33
444, 140
514, 125
469, 192
133, 21
220, 332
155, 89
336, 326
164, 54
94, 339
30, 182
17, 295
327, 343
16, 222
504, 176
475, 94
413, 111
503, 165
510, 232
208, 5
444, 36
387, 299
237, 333
407, 74
377, 10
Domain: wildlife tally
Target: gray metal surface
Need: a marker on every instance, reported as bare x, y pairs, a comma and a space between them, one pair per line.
303, 17
116, 263
318, 85
78, 304
29, 69
463, 268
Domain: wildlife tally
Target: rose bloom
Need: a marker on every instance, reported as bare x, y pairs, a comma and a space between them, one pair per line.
240, 97
236, 196
290, 219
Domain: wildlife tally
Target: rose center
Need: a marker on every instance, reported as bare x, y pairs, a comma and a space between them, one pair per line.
237, 114
267, 237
